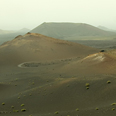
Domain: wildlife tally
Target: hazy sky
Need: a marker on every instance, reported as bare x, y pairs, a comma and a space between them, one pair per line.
17, 14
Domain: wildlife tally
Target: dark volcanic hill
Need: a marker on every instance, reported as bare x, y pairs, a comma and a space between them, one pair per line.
70, 30
36, 47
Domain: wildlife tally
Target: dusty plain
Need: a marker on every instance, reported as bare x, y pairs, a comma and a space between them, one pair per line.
43, 76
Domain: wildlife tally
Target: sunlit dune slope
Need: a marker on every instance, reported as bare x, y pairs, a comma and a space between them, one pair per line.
93, 64
64, 94
36, 47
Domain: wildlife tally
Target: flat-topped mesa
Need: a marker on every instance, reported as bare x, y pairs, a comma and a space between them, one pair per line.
69, 31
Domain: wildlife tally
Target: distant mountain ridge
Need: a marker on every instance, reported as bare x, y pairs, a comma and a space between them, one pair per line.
6, 31
106, 29
9, 35
24, 30
70, 30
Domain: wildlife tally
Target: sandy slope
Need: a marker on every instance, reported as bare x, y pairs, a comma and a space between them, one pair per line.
58, 83
98, 63
45, 90
36, 47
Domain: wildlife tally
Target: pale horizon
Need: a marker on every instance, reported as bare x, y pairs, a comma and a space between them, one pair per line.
18, 14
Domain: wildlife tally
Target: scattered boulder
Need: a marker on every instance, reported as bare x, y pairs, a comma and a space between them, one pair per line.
28, 33
102, 51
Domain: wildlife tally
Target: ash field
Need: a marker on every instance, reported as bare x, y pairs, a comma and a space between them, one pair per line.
44, 76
